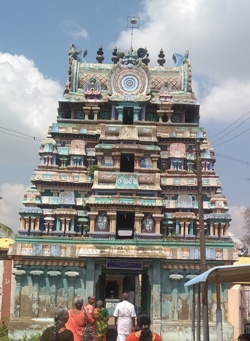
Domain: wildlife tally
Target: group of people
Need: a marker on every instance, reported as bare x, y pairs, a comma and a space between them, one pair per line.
72, 324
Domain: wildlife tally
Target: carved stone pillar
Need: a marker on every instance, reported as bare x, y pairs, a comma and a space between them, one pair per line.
136, 114
19, 274
143, 108
95, 111
53, 276
211, 229
71, 276
175, 278
157, 219
120, 113
92, 216
160, 114
138, 219
216, 229
154, 160
182, 232
23, 223
226, 226
67, 224
112, 218
113, 113
36, 275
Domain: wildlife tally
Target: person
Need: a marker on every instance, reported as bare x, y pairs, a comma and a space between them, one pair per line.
131, 296
89, 307
124, 318
76, 321
144, 334
58, 332
102, 321
244, 337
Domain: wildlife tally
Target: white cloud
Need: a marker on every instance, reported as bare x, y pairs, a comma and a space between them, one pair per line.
236, 225
28, 104
226, 102
216, 35
74, 30
10, 204
27, 100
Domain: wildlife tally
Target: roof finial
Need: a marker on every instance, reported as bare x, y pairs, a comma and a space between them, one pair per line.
100, 57
161, 60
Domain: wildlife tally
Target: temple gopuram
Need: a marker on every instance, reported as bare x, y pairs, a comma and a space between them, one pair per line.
113, 203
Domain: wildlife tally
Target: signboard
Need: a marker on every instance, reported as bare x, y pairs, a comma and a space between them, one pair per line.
127, 181
110, 305
124, 264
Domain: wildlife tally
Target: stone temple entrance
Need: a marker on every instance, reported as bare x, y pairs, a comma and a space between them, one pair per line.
111, 286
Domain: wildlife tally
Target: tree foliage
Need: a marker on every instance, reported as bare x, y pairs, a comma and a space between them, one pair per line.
5, 231
246, 226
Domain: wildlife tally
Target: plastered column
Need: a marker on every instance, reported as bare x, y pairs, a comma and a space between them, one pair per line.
71, 277
36, 276
19, 275
90, 277
175, 278
53, 276
156, 296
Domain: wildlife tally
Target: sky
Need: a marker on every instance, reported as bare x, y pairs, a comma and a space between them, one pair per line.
35, 37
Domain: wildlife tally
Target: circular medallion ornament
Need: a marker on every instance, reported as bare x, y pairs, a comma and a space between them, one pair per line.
126, 83
129, 83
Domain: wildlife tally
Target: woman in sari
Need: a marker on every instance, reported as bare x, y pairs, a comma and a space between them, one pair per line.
102, 321
76, 321
58, 332
144, 334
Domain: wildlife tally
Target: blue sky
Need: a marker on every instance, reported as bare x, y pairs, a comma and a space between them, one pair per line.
35, 37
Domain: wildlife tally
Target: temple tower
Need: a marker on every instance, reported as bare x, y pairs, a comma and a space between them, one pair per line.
113, 203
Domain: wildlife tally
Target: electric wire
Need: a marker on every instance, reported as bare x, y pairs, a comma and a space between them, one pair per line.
230, 158
230, 125
230, 131
234, 137
19, 134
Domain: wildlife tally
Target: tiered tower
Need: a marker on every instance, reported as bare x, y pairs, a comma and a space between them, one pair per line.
114, 200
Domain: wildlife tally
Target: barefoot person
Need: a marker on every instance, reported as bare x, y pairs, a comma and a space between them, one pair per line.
124, 318
102, 321
76, 321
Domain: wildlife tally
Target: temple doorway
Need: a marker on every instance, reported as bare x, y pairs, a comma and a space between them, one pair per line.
127, 163
125, 222
128, 115
111, 285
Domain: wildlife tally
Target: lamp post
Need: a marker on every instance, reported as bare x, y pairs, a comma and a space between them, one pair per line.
200, 207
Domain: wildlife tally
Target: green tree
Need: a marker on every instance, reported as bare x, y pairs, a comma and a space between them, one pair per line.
5, 231
246, 226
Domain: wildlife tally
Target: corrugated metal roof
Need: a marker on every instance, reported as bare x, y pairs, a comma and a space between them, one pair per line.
225, 273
